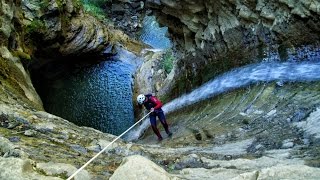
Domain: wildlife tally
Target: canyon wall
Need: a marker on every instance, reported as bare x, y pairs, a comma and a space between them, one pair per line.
215, 36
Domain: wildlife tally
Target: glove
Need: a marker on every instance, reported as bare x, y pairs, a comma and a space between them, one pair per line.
152, 110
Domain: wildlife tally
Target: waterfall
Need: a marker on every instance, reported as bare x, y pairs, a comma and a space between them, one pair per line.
241, 77
154, 35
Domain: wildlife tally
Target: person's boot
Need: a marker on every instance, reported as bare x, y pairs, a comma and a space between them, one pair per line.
156, 131
168, 132
166, 128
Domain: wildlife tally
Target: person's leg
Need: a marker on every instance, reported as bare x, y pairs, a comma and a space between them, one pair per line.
164, 123
153, 123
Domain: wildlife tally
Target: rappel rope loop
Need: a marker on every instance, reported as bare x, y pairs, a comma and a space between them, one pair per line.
75, 173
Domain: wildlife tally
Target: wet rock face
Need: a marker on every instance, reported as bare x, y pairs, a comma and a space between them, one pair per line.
220, 35
14, 78
253, 130
267, 112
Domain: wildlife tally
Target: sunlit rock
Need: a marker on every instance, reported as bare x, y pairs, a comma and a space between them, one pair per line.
62, 170
20, 169
138, 167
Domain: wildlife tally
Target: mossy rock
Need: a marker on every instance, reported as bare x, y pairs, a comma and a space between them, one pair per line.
22, 55
11, 78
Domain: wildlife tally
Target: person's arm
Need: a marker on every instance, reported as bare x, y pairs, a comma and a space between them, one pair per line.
157, 102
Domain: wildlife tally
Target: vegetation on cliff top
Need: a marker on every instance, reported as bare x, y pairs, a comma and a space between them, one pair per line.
167, 61
96, 8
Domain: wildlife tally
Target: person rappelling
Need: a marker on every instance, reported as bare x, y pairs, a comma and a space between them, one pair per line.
153, 104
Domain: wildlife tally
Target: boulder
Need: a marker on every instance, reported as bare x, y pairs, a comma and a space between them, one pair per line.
14, 168
138, 167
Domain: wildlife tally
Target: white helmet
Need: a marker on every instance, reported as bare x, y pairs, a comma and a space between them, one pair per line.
141, 98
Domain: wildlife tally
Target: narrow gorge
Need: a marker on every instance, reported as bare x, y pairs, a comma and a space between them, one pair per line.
239, 80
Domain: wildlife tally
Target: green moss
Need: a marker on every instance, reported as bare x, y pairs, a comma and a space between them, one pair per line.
167, 61
98, 3
44, 4
77, 5
41, 172
32, 36
22, 55
63, 175
5, 132
95, 8
12, 79
36, 26
94, 11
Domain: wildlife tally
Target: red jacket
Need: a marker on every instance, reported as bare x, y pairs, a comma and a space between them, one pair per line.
152, 102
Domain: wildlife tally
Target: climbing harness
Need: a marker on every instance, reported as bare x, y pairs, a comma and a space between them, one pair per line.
75, 173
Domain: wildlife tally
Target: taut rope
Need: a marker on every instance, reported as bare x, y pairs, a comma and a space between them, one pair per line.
75, 173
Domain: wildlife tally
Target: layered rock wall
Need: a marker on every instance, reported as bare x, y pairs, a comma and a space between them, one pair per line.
32, 144
229, 22
62, 27
219, 35
43, 28
43, 146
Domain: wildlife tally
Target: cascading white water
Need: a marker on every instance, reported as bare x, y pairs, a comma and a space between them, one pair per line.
154, 35
241, 77
262, 72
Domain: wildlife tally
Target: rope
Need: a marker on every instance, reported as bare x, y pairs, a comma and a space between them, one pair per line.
75, 173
